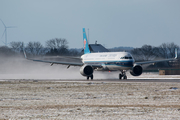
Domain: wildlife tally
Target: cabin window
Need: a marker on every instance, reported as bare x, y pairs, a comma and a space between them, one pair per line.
126, 57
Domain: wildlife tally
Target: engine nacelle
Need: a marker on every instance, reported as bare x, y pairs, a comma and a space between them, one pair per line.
136, 70
86, 70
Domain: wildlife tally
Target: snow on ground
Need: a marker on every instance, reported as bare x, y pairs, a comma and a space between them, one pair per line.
28, 99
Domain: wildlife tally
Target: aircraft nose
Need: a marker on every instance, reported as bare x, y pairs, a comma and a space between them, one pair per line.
131, 63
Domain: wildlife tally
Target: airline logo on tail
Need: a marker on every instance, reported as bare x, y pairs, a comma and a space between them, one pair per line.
86, 46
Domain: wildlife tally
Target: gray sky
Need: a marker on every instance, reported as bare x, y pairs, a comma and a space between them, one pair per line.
112, 23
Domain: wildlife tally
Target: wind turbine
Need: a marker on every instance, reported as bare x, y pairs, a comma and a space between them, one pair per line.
5, 32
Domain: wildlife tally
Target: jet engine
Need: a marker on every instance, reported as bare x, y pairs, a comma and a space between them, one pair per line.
136, 70
86, 70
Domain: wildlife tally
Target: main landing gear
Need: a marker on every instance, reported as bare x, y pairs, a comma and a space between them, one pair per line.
122, 75
90, 77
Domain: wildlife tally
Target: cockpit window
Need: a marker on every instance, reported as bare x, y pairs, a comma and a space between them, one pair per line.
126, 57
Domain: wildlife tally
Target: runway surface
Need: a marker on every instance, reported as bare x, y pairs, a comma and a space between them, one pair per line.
97, 80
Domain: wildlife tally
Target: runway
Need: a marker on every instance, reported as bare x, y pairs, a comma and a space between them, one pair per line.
97, 80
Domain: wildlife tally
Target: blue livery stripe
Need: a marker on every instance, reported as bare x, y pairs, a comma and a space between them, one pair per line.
116, 63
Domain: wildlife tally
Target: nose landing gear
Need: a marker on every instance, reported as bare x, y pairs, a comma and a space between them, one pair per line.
122, 75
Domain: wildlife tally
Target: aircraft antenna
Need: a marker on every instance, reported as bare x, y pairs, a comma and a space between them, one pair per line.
5, 32
88, 35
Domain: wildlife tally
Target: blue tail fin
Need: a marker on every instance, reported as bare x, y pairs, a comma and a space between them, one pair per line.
86, 45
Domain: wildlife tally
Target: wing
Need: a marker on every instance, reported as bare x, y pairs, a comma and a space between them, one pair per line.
55, 62
155, 61
64, 63
58, 62
68, 57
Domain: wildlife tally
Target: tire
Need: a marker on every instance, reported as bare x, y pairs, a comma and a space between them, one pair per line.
125, 77
120, 76
91, 77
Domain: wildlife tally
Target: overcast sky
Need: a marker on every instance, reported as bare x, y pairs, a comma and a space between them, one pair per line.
112, 23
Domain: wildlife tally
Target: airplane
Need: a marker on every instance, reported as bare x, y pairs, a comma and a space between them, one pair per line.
106, 61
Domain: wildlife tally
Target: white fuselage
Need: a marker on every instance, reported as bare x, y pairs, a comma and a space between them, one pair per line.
109, 60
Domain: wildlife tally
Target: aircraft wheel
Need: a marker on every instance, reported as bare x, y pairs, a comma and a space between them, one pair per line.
120, 76
87, 77
91, 77
125, 77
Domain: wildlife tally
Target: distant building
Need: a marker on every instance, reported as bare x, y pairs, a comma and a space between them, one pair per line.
97, 48
169, 72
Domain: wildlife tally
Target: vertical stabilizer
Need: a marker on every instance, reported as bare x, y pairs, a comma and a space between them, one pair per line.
176, 53
85, 42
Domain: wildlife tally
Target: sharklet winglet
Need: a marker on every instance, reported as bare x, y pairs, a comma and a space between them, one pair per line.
176, 53
24, 53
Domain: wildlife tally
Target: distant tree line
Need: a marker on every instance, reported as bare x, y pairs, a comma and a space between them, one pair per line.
53, 47
164, 51
59, 47
148, 52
